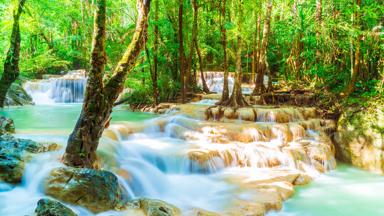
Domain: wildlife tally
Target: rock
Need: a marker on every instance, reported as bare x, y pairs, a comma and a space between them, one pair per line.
359, 139
150, 207
6, 125
153, 207
15, 152
96, 190
246, 114
48, 207
17, 96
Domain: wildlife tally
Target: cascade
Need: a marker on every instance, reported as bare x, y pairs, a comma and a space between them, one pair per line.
69, 88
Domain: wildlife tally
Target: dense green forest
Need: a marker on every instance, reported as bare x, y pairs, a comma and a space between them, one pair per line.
330, 45
191, 107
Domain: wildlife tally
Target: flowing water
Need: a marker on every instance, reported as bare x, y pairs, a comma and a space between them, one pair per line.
69, 88
157, 153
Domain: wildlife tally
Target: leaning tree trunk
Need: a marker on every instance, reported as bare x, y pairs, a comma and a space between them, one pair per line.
237, 99
263, 63
100, 96
225, 94
11, 64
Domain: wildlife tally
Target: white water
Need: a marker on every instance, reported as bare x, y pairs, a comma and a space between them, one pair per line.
153, 162
69, 88
215, 82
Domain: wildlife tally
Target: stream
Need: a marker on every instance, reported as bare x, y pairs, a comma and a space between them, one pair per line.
160, 171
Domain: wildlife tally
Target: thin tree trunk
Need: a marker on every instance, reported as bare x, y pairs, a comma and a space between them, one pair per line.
263, 63
11, 64
237, 99
100, 97
181, 51
225, 94
195, 44
355, 57
155, 63
318, 29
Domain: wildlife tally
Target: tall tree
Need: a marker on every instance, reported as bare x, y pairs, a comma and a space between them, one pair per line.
263, 66
237, 99
195, 43
225, 94
100, 95
155, 60
181, 50
354, 49
11, 64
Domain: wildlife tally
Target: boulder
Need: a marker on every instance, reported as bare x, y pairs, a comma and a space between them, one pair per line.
6, 125
96, 190
17, 96
15, 152
359, 139
150, 207
48, 207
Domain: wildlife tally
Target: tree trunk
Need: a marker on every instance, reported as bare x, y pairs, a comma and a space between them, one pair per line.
195, 44
155, 61
263, 63
181, 51
100, 97
237, 99
318, 29
355, 57
225, 94
11, 64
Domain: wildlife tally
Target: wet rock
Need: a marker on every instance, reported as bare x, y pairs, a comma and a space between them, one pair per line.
15, 152
246, 114
151, 207
6, 125
359, 139
96, 190
48, 207
17, 96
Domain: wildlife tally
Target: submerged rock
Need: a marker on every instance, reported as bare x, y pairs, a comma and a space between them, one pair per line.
359, 139
15, 152
48, 207
96, 190
6, 125
17, 96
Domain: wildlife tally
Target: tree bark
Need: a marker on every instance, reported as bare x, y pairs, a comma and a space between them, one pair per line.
11, 64
100, 96
263, 63
225, 94
181, 50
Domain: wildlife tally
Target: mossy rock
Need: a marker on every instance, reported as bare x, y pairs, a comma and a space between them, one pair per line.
15, 152
17, 96
96, 190
359, 137
7, 125
48, 207
153, 207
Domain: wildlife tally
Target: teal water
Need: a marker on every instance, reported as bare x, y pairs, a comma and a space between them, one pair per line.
60, 117
346, 191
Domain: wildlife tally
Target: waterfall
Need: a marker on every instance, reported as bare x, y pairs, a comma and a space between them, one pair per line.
215, 82
69, 88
